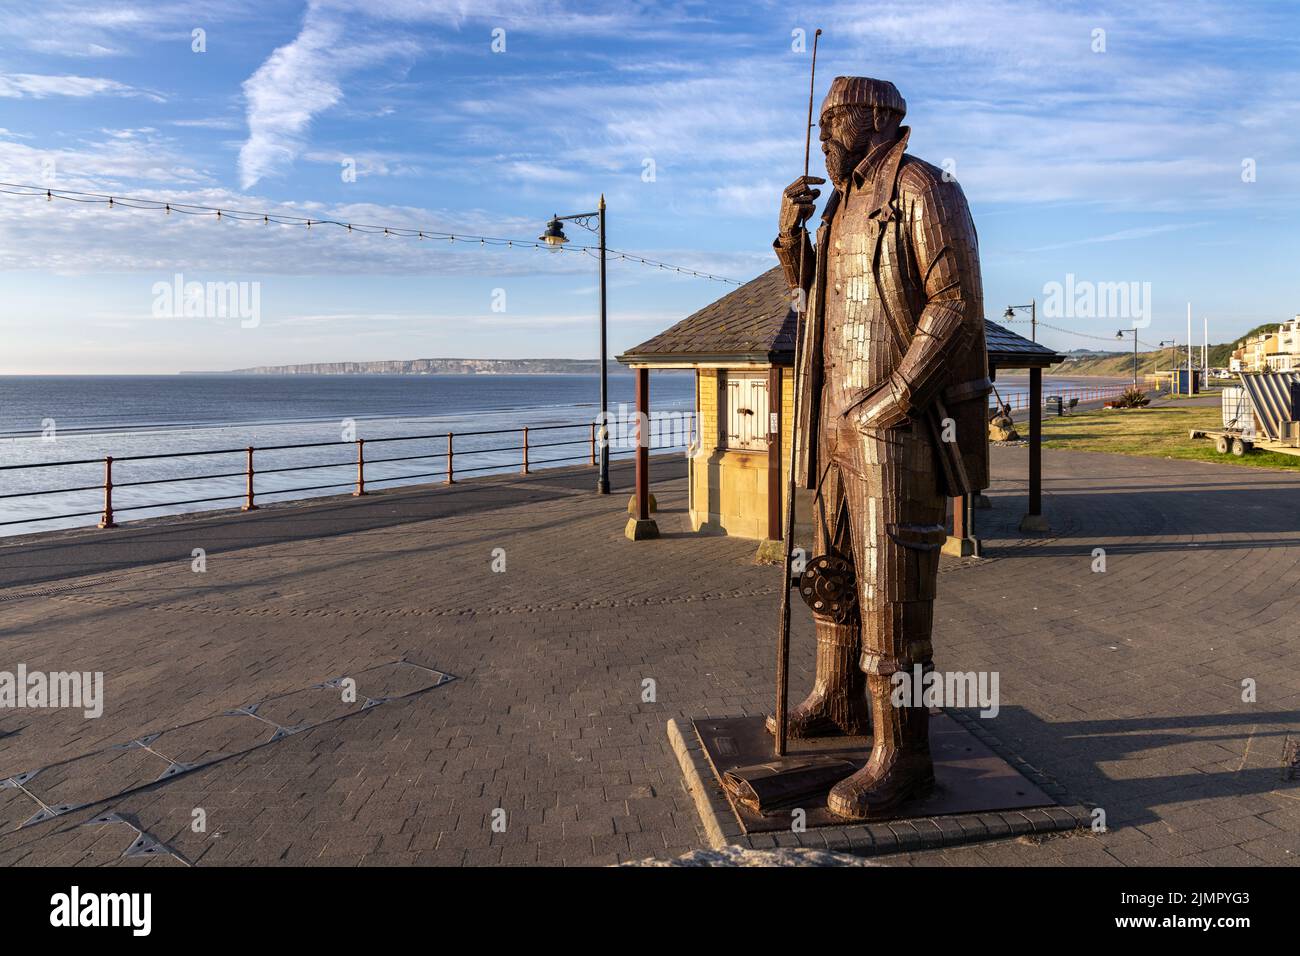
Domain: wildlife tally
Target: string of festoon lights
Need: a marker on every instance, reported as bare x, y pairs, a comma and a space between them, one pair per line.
1086, 335
1081, 335
167, 207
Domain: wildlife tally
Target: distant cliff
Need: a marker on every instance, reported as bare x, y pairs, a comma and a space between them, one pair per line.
431, 366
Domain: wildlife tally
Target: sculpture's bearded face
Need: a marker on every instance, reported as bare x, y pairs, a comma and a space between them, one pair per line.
847, 135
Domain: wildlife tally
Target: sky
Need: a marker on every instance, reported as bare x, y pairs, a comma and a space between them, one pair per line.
1152, 145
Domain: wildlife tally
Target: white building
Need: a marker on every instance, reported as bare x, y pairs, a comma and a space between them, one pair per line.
1276, 351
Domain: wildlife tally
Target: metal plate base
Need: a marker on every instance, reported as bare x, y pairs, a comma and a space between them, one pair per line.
969, 777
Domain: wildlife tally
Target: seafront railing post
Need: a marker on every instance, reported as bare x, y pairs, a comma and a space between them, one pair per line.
593, 444
248, 472
107, 520
361, 468
525, 471
451, 477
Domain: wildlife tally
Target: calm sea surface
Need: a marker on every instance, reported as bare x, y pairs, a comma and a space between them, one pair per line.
47, 419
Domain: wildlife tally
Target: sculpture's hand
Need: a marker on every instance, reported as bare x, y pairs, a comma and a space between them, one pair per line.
886, 406
798, 203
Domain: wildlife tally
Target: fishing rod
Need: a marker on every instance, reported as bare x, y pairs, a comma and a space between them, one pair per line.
801, 308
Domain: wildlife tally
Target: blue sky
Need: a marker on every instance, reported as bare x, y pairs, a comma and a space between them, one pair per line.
1122, 165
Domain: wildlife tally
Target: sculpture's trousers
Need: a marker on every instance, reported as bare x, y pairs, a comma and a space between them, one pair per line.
879, 504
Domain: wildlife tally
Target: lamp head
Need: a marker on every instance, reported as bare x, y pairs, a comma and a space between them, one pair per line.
554, 236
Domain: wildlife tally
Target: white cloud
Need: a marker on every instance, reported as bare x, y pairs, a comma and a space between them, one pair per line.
298, 81
93, 28
304, 78
39, 86
213, 122
749, 199
542, 173
111, 160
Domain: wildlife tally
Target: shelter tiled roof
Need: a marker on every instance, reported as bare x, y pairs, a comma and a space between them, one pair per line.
1010, 350
756, 323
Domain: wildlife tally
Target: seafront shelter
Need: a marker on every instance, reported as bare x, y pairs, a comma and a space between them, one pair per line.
741, 348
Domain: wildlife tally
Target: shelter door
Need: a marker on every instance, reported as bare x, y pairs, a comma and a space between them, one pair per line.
747, 407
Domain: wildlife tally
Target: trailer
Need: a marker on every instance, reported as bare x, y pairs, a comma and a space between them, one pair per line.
1262, 412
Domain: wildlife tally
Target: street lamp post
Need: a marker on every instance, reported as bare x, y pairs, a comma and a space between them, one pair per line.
1134, 332
1173, 344
555, 238
1033, 317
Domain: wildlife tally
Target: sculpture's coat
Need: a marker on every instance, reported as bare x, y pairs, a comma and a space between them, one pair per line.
892, 389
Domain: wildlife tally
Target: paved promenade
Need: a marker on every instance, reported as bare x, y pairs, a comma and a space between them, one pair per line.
1125, 685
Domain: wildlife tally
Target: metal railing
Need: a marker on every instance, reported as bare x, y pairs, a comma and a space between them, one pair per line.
449, 457
1091, 393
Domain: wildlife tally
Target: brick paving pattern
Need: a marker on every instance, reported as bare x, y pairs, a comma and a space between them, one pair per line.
1126, 686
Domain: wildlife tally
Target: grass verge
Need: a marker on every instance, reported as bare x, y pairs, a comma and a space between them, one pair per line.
1159, 432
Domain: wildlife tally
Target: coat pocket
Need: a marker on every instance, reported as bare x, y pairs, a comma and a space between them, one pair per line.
917, 559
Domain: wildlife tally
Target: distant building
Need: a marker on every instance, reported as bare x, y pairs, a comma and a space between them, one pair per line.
1269, 351
1288, 347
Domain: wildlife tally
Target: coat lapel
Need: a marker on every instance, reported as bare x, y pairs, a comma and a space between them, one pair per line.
885, 185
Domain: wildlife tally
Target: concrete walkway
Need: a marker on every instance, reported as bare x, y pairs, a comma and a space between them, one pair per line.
549, 744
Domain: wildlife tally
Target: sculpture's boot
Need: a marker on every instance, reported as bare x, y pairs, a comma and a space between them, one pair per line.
838, 702
899, 768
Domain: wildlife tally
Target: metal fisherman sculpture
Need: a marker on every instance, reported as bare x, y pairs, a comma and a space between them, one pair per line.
892, 419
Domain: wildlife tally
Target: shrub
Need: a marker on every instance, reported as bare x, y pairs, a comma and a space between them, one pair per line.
1131, 397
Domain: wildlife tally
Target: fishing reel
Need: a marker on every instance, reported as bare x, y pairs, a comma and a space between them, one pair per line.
829, 585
